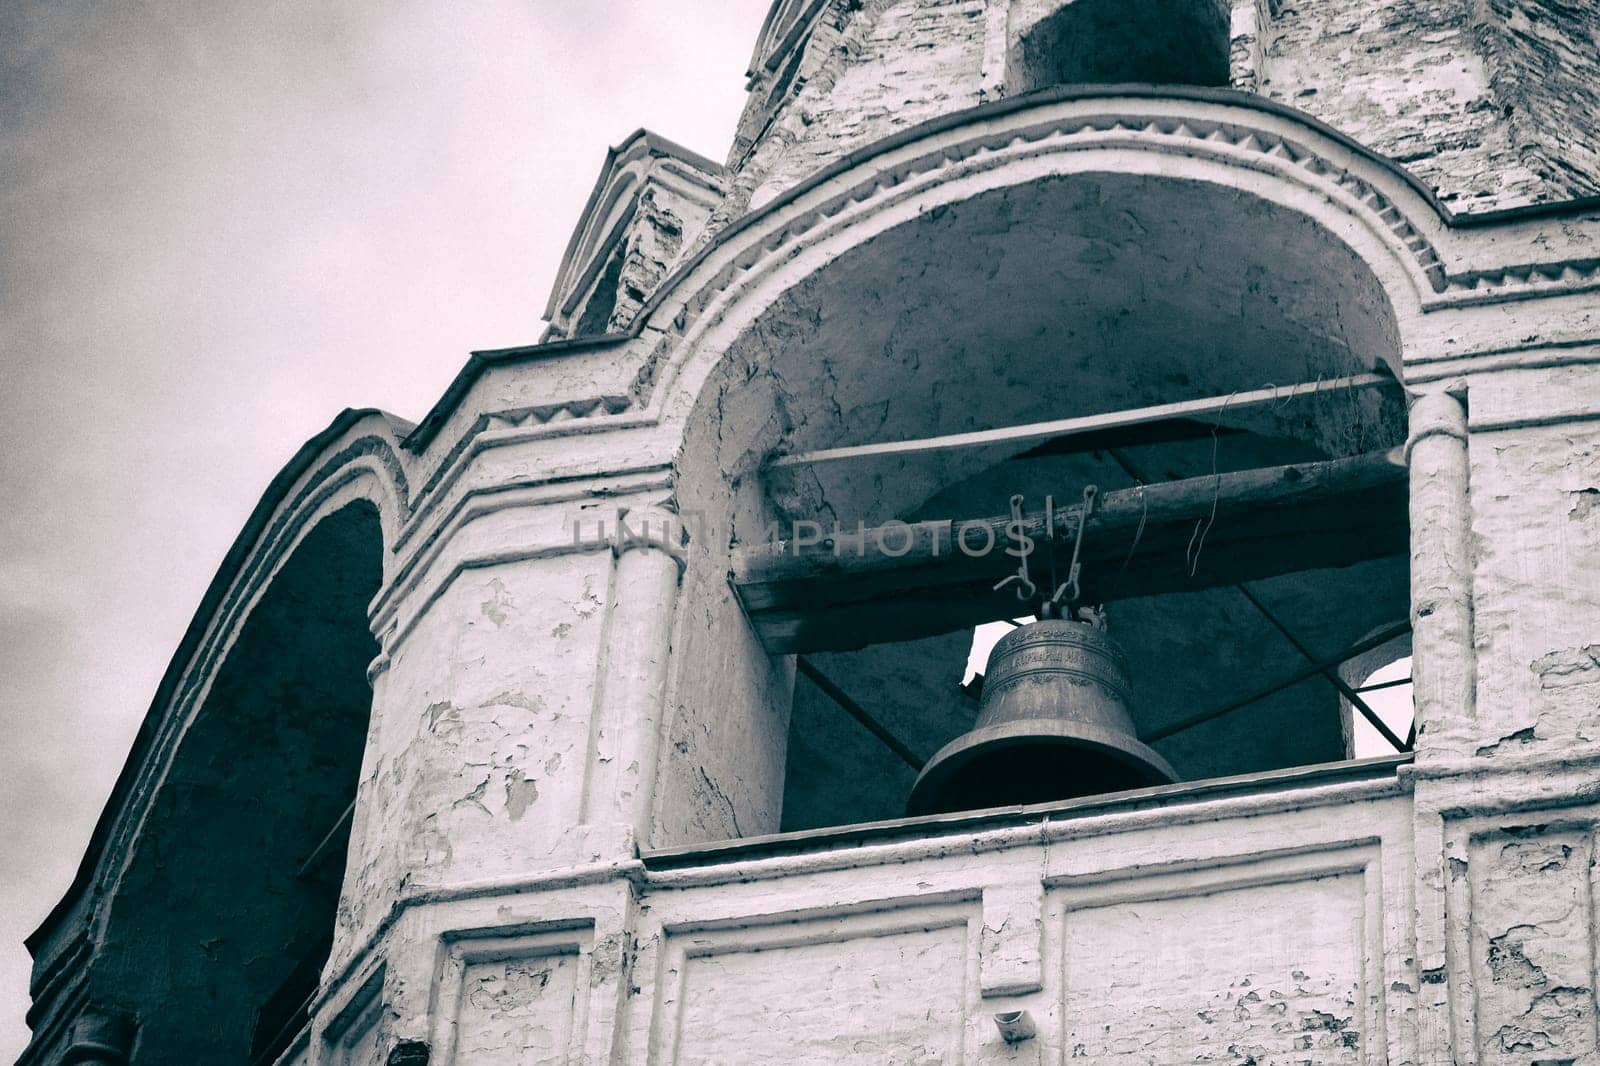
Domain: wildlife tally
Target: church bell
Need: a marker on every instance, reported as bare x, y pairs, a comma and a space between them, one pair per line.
1053, 724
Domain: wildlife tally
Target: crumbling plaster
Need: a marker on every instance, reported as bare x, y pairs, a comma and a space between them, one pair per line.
652, 197
494, 618
1482, 102
1535, 467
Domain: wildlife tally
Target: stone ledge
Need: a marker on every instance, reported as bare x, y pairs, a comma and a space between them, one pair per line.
1272, 790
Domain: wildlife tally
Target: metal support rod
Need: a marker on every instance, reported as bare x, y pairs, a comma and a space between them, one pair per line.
858, 712
1381, 685
1066, 427
320, 852
1331, 674
1376, 640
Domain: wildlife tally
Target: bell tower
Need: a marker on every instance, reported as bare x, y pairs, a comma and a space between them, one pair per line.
584, 713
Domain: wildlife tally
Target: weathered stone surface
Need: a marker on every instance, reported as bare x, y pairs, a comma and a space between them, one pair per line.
652, 197
1544, 56
892, 997
869, 68
462, 750
1269, 973
1489, 105
1532, 935
1407, 80
518, 1009
543, 706
1537, 611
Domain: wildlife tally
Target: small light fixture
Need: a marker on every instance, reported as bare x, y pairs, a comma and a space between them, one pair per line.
1015, 1026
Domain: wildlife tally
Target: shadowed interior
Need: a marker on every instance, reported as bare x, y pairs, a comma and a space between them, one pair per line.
221, 923
1031, 771
1061, 297
1163, 42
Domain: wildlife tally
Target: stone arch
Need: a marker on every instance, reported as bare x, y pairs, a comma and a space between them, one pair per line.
1203, 148
1067, 257
1214, 139
198, 886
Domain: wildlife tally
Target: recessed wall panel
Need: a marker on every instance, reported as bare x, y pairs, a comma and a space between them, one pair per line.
821, 994
1532, 945
517, 1010
1266, 973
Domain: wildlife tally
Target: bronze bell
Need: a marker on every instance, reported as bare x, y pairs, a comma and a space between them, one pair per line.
1053, 724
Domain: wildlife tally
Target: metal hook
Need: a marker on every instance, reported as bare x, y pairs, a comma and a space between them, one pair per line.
1091, 493
1065, 592
1069, 590
1026, 589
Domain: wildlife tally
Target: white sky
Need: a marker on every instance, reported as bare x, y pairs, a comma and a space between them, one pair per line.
220, 222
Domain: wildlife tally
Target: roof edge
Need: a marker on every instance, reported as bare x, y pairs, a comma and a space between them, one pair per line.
277, 489
479, 361
640, 139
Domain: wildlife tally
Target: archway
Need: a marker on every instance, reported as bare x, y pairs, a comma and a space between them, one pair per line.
1156, 41
1048, 296
223, 916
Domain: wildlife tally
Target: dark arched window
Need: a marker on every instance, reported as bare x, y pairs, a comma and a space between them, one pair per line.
1163, 42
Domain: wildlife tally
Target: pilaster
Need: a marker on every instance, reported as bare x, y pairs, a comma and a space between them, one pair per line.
1441, 572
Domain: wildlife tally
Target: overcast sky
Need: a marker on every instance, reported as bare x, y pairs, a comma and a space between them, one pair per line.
220, 223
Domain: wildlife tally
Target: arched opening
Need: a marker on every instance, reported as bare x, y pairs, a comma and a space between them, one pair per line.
224, 916
1380, 679
1066, 296
1163, 42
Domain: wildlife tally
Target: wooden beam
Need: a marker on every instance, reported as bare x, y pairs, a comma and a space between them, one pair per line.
899, 582
1066, 427
1167, 431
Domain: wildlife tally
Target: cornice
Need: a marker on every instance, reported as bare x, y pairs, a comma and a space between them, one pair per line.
480, 361
901, 839
514, 425
541, 492
1125, 110
1251, 133
1523, 281
480, 437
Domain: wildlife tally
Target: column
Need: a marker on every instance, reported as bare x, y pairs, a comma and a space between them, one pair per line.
1443, 669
